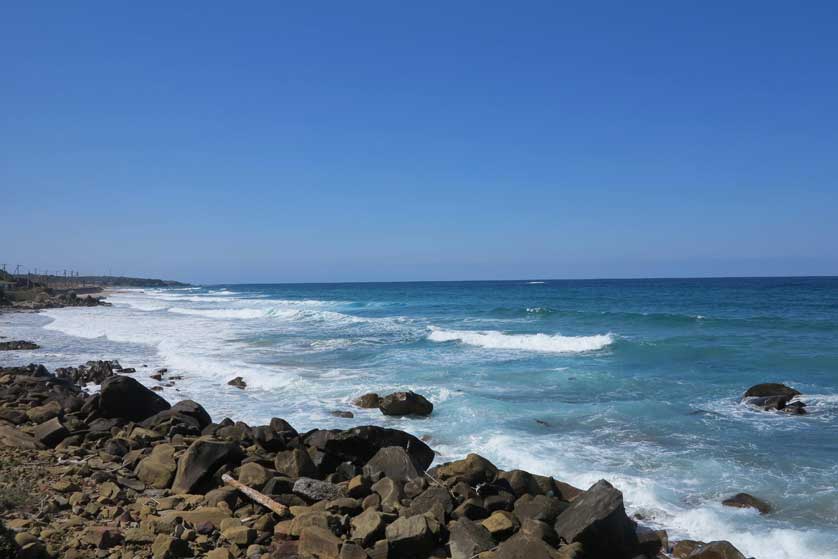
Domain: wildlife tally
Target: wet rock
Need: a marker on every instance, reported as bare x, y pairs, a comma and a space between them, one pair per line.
683, 548
16, 345
651, 542
466, 539
393, 462
200, 462
125, 398
744, 500
342, 413
716, 550
238, 382
367, 401
597, 519
316, 490
770, 389
410, 537
405, 403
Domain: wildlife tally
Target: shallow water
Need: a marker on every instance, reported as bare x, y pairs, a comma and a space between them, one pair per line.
636, 381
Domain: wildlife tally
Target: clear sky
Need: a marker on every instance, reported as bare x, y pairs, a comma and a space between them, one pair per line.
343, 141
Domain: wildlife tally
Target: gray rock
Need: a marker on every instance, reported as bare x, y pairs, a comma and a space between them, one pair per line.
316, 490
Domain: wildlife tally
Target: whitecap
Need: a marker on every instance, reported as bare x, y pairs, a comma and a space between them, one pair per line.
493, 339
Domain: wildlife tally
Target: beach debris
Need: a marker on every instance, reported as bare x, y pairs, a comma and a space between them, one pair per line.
238, 382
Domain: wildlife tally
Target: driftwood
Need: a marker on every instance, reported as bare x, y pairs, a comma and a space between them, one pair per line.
260, 498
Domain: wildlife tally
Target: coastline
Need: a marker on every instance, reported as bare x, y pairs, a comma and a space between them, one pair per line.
532, 527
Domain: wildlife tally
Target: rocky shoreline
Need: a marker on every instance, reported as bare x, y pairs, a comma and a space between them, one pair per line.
122, 474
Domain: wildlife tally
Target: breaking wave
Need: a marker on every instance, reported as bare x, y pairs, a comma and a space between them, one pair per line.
493, 339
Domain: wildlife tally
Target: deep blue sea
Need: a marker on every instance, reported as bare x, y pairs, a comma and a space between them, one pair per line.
636, 381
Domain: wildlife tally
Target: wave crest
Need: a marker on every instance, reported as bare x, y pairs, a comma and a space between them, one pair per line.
493, 339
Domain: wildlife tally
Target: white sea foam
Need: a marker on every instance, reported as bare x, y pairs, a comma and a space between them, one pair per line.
534, 282
493, 339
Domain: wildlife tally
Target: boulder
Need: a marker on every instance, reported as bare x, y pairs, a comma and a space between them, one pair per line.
367, 401
201, 461
393, 462
294, 463
359, 444
167, 547
40, 414
123, 397
319, 543
524, 546
538, 507
716, 550
744, 500
368, 527
158, 469
473, 469
11, 437
466, 539
501, 524
51, 432
597, 519
770, 389
651, 541
315, 490
410, 537
254, 475
405, 403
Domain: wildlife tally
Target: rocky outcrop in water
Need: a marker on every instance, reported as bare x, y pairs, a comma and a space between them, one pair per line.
16, 345
121, 473
774, 397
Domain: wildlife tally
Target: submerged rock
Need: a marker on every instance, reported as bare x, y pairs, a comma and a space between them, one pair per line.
370, 400
744, 500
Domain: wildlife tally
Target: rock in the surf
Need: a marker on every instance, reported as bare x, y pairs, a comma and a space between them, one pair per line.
597, 519
16, 345
770, 389
405, 403
746, 501
368, 401
716, 550
238, 382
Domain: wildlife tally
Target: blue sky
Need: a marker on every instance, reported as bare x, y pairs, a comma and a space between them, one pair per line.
344, 141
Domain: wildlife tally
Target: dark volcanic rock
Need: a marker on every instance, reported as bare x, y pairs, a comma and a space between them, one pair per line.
316, 490
124, 397
405, 403
18, 345
597, 520
200, 462
770, 389
744, 500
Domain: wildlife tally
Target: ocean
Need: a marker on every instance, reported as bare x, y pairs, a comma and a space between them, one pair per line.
635, 381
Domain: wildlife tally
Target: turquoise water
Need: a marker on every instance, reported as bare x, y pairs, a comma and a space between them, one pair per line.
637, 381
